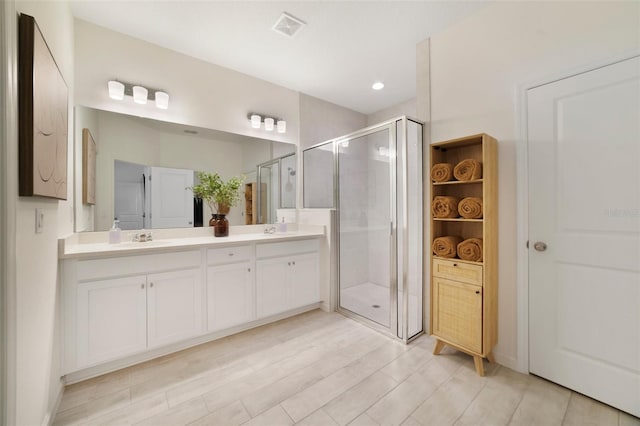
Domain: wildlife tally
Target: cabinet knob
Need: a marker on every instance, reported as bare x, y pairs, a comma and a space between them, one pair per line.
151, 285
289, 263
294, 262
142, 286
455, 264
230, 254
477, 291
248, 269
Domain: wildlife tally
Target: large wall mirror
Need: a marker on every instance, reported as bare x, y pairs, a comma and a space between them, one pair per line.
144, 166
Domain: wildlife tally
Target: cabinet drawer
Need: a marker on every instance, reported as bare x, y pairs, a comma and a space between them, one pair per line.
287, 248
231, 254
458, 271
139, 264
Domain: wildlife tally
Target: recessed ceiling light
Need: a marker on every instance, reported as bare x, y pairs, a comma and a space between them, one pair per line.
378, 85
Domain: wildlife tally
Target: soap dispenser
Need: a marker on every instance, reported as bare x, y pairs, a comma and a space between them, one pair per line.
282, 226
114, 233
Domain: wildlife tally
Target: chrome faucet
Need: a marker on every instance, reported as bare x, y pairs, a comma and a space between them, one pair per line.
142, 237
269, 229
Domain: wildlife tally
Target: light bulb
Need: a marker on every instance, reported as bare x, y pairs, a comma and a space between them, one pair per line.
116, 90
268, 124
162, 100
255, 121
282, 126
140, 95
378, 85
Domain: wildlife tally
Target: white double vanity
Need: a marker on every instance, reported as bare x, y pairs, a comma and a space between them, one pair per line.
129, 302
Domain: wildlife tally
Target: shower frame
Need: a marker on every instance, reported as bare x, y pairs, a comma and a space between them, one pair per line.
391, 125
259, 168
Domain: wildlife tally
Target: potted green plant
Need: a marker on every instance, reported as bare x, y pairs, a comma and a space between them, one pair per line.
220, 196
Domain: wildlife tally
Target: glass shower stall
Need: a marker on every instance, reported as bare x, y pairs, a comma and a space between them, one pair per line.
377, 191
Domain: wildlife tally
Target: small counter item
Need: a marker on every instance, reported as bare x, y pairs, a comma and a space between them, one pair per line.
115, 234
282, 226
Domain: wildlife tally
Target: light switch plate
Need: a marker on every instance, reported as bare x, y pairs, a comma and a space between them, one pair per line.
39, 220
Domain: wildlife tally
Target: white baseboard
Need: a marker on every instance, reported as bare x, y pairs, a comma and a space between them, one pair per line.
51, 414
508, 361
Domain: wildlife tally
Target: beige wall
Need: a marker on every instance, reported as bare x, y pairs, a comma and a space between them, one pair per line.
403, 108
201, 94
37, 291
323, 120
476, 69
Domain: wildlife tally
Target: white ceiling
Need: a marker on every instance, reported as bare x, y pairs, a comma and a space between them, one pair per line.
343, 49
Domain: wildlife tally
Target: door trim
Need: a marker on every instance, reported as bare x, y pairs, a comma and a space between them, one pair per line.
8, 202
522, 198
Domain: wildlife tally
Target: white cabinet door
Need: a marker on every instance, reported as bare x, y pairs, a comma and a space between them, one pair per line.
112, 319
174, 306
230, 296
305, 282
272, 286
171, 200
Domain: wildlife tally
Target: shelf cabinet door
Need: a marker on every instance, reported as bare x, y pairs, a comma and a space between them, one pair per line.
174, 306
305, 280
272, 286
112, 319
230, 295
457, 315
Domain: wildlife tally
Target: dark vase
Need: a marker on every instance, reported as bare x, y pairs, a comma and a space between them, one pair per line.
221, 228
212, 221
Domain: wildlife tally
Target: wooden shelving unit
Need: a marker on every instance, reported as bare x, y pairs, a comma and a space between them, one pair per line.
464, 294
251, 202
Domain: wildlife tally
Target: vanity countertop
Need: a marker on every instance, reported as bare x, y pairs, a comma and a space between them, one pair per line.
95, 245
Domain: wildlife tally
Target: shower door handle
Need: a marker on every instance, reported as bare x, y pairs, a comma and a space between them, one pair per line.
391, 228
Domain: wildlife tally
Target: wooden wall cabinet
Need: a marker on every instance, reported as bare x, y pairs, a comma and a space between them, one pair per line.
464, 294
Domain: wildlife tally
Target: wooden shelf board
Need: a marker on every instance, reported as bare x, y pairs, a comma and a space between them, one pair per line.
455, 259
457, 182
457, 219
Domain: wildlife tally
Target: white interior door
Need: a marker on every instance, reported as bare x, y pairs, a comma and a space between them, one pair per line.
584, 288
171, 200
129, 194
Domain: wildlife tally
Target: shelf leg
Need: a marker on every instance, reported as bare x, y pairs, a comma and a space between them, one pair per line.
477, 360
490, 358
439, 347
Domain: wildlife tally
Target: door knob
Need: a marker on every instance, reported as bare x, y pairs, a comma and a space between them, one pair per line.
540, 246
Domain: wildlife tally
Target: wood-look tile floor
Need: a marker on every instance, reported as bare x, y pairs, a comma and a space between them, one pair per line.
324, 369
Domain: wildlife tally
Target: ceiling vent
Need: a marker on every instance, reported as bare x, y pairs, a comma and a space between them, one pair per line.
288, 25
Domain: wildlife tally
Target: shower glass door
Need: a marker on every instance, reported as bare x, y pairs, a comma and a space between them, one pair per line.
367, 250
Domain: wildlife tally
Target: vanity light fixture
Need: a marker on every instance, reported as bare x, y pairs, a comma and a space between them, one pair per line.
270, 123
119, 89
378, 85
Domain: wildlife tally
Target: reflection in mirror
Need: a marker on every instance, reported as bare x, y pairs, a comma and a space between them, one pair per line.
144, 166
319, 175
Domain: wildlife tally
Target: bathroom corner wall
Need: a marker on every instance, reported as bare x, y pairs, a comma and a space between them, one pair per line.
36, 322
476, 69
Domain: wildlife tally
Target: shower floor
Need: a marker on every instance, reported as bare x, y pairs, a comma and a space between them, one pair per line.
372, 301
362, 298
